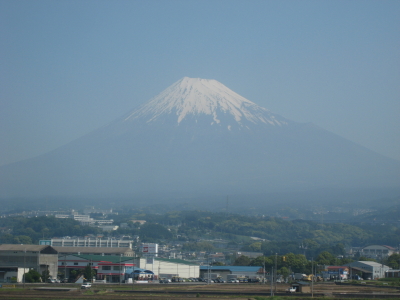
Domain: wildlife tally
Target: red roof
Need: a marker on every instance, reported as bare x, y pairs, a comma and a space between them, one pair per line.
338, 267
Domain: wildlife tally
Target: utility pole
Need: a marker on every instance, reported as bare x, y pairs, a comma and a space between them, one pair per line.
120, 269
23, 278
276, 270
264, 270
272, 280
65, 267
312, 277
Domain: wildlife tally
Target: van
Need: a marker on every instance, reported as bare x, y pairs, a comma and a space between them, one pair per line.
86, 285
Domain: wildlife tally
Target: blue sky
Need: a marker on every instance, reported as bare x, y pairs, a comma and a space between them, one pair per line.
69, 67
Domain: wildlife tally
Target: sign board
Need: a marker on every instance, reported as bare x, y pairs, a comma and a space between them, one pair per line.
149, 260
150, 248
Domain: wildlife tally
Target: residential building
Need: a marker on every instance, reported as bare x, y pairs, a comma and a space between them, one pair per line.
392, 273
377, 251
249, 254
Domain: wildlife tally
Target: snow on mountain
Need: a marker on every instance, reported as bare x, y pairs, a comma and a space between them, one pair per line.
197, 136
197, 97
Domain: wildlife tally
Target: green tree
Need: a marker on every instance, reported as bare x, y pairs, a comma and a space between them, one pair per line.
217, 263
23, 239
155, 232
262, 261
88, 272
35, 275
242, 261
45, 275
198, 246
326, 258
393, 261
363, 258
284, 272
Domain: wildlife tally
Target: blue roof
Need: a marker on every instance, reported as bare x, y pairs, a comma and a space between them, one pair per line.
231, 268
139, 270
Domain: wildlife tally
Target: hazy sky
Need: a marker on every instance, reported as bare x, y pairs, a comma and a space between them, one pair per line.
68, 67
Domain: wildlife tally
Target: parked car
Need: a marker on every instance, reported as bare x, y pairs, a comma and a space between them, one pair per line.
86, 285
164, 281
50, 280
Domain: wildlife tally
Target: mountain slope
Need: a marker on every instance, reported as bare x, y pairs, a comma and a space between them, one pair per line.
199, 136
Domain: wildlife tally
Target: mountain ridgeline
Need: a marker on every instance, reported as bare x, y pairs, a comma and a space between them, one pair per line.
198, 136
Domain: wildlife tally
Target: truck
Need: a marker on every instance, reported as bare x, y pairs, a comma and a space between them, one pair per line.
299, 276
291, 290
308, 277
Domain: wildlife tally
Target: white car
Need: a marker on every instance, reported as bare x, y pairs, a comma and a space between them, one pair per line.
86, 285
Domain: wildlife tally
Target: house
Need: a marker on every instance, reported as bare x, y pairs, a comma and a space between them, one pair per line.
392, 273
249, 254
16, 259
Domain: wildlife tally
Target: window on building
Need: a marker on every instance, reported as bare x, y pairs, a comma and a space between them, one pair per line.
117, 268
75, 264
106, 267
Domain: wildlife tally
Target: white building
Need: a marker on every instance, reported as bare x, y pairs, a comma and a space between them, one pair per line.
88, 242
368, 269
124, 268
377, 251
12, 274
168, 268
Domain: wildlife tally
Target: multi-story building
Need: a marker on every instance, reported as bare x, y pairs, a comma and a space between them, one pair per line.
377, 251
88, 242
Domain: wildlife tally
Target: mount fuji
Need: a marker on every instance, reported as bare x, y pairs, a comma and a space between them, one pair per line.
199, 136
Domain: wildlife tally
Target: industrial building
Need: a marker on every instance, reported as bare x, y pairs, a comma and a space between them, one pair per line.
16, 259
367, 269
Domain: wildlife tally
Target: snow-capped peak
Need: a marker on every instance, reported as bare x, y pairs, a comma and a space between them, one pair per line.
196, 96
